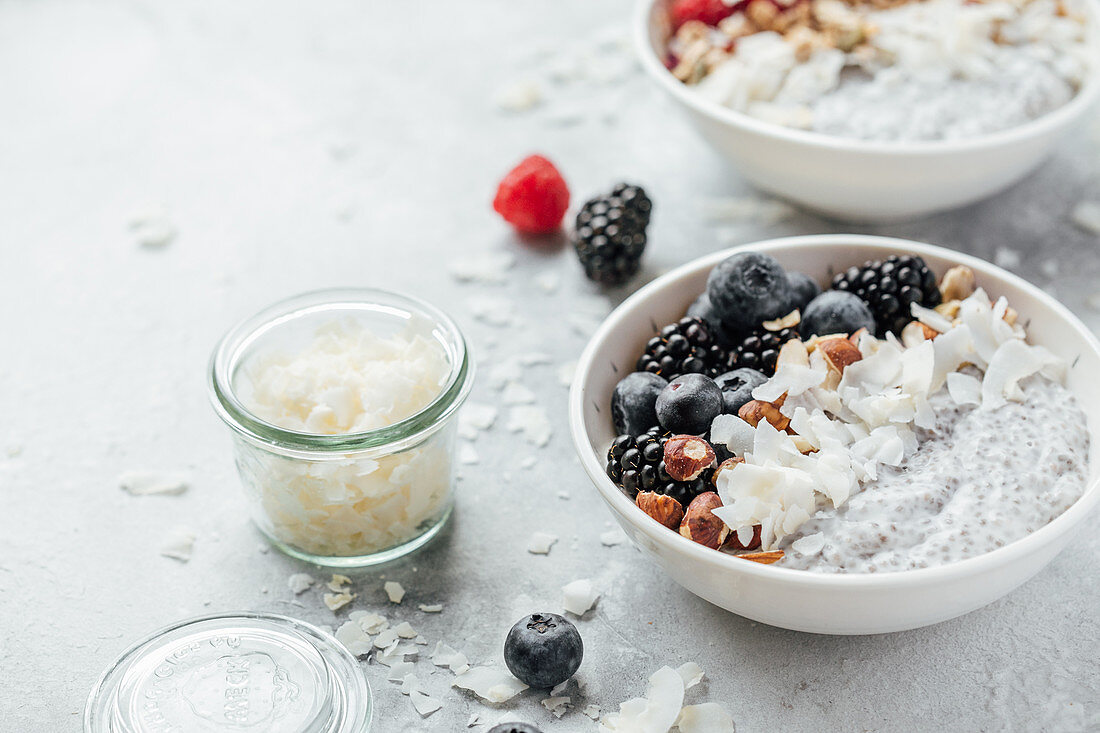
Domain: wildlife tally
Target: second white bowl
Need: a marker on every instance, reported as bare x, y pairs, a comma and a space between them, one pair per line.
796, 599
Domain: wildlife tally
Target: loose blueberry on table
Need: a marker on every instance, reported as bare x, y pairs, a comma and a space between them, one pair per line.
514, 728
543, 650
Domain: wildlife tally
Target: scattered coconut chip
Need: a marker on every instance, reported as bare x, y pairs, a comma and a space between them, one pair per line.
489, 684
410, 684
519, 96
394, 591
370, 622
399, 670
710, 717
1086, 215
560, 688
532, 421
445, 656
405, 630
149, 483
485, 267
811, 544
557, 705
528, 462
299, 583
339, 583
351, 635
467, 455
492, 310
474, 418
540, 543
548, 282
431, 608
613, 537
579, 596
153, 229
516, 394
592, 711
1006, 257
386, 638
424, 705
656, 712
566, 370
691, 673
179, 544
336, 601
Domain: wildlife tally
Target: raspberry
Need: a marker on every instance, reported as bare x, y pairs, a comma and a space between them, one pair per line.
533, 196
708, 11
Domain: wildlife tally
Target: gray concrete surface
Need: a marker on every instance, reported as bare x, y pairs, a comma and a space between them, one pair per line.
302, 145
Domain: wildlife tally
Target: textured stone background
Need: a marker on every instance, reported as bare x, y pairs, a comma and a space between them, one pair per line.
302, 145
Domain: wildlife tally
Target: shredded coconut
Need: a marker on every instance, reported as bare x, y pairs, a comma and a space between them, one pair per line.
148, 483
394, 591
179, 545
579, 596
490, 684
540, 543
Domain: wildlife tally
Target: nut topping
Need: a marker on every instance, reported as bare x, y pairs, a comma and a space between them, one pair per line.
700, 525
687, 456
791, 319
664, 509
838, 354
734, 542
756, 410
724, 466
957, 284
764, 558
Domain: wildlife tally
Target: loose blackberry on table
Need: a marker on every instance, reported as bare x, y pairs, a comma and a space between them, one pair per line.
684, 347
889, 287
636, 463
610, 236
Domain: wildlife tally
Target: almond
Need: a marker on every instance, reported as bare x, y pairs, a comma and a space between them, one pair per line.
791, 319
764, 558
756, 410
687, 456
699, 523
664, 509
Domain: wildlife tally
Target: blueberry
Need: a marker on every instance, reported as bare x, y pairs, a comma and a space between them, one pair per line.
514, 728
737, 387
634, 402
836, 311
689, 404
805, 288
543, 650
748, 289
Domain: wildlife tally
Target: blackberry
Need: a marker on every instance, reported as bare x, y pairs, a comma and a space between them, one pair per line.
610, 234
684, 347
637, 463
760, 350
889, 287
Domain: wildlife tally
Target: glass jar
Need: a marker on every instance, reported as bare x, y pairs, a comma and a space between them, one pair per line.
232, 672
348, 499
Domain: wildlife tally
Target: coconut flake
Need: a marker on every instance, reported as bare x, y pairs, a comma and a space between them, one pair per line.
153, 229
518, 96
424, 704
484, 267
579, 596
151, 483
710, 717
490, 684
386, 638
351, 635
557, 705
445, 656
299, 583
336, 601
399, 670
431, 608
410, 684
338, 583
736, 434
179, 544
656, 712
612, 537
467, 455
405, 630
1086, 215
965, 389
540, 543
370, 622
930, 318
1013, 361
532, 422
475, 418
691, 673
394, 591
811, 544
592, 711
516, 394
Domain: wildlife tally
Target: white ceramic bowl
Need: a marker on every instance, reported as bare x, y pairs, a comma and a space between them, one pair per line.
795, 599
856, 179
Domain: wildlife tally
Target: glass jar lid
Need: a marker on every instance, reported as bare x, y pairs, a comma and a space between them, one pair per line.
232, 672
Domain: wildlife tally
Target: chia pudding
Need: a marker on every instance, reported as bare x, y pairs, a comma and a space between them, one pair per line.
980, 480
890, 70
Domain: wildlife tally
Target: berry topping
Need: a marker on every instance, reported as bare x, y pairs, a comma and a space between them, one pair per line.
533, 196
684, 347
737, 387
805, 288
748, 289
634, 402
760, 350
610, 234
689, 404
836, 311
889, 287
707, 11
543, 650
637, 464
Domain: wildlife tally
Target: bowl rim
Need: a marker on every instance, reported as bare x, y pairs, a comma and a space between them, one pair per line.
1060, 117
617, 501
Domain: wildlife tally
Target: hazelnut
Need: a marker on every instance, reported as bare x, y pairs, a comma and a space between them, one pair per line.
756, 410
724, 466
764, 558
957, 283
838, 354
664, 509
700, 525
733, 543
687, 456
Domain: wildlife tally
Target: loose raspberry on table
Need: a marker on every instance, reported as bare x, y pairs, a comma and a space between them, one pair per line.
533, 197
708, 11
